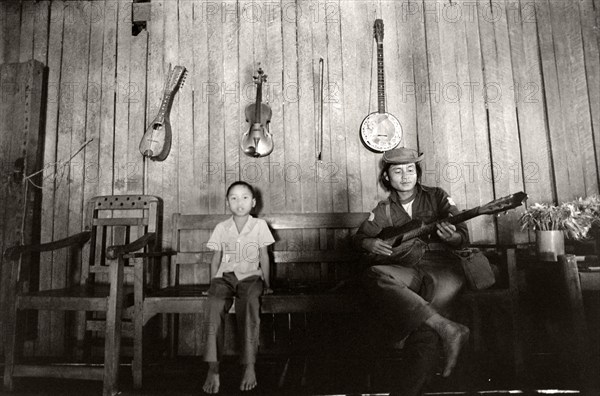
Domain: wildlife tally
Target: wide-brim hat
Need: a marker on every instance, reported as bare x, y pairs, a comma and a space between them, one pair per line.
402, 155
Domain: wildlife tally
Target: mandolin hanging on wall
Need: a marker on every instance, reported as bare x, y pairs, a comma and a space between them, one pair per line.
156, 143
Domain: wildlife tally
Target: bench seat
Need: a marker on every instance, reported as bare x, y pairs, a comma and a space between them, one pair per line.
313, 271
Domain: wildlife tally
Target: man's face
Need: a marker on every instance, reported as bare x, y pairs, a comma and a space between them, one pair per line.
403, 177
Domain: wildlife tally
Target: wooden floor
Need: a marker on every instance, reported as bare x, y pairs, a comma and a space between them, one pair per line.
184, 377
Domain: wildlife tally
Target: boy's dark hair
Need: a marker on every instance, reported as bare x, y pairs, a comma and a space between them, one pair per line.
386, 182
241, 183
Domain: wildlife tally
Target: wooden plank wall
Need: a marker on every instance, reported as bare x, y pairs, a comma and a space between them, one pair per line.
501, 96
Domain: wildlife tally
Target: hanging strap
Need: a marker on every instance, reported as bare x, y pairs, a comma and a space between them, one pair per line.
388, 212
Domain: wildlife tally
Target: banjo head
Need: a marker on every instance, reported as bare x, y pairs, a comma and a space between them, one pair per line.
380, 132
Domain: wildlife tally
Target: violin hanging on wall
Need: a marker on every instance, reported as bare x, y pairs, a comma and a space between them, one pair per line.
156, 143
258, 141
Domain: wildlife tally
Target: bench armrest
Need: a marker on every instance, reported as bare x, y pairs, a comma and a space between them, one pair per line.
112, 252
12, 253
166, 253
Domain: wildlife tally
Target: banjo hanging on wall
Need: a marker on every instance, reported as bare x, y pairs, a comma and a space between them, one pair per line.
380, 131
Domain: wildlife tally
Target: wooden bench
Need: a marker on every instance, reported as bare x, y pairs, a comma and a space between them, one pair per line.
317, 241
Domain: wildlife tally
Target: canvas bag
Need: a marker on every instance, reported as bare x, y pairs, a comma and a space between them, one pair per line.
477, 268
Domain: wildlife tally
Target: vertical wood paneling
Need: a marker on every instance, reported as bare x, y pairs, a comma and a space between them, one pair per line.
50, 142
91, 163
400, 74
431, 142
290, 132
419, 84
40, 33
364, 16
201, 139
247, 68
552, 102
136, 98
352, 87
476, 149
452, 109
121, 128
197, 80
591, 41
10, 29
216, 145
504, 137
62, 199
319, 39
28, 11
81, 53
577, 144
580, 106
258, 14
536, 171
106, 167
187, 189
335, 171
170, 192
156, 72
230, 95
306, 79
274, 63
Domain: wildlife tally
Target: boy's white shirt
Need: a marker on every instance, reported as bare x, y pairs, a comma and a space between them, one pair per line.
241, 250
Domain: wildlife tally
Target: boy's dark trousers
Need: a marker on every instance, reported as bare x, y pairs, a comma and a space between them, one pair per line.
247, 313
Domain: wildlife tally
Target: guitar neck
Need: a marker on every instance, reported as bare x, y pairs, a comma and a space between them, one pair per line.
380, 79
428, 228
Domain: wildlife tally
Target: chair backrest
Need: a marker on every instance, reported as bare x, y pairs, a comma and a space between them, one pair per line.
309, 247
118, 220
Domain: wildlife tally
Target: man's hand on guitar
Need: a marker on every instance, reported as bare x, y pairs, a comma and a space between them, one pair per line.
377, 246
447, 233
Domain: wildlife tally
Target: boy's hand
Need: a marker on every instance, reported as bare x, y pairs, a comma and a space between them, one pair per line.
267, 290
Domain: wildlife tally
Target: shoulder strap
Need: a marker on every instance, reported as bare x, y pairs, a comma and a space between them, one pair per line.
388, 212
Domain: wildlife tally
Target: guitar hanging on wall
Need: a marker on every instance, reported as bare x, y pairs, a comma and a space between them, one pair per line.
258, 141
380, 131
156, 143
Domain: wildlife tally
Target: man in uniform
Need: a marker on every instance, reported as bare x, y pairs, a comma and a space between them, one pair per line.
413, 291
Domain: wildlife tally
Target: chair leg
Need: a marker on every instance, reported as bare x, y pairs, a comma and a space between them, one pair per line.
112, 345
517, 338
10, 325
10, 344
138, 342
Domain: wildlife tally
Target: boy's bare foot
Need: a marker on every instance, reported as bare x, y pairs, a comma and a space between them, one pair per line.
248, 378
454, 337
212, 383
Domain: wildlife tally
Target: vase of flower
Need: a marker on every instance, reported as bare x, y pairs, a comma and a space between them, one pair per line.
591, 207
554, 223
550, 244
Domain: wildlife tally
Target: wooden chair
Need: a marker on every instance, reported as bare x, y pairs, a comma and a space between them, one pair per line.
129, 223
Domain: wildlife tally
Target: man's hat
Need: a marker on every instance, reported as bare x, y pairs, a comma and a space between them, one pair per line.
402, 155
